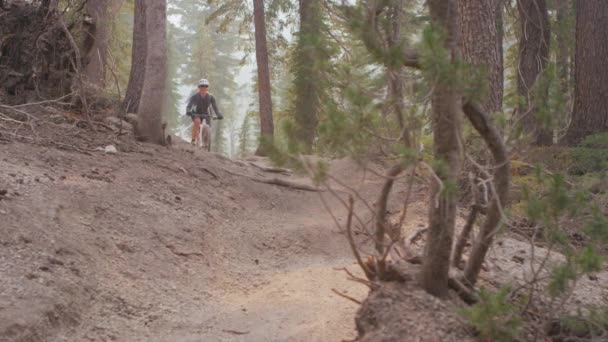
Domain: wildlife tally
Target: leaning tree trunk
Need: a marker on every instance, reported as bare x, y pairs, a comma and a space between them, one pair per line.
481, 45
99, 35
534, 43
153, 92
590, 113
138, 59
261, 53
446, 104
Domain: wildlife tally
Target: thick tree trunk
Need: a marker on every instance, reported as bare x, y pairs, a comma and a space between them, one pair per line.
153, 92
447, 113
99, 33
590, 114
138, 60
534, 43
261, 52
481, 45
307, 78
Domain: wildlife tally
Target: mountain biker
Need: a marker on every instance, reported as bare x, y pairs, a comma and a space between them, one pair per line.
198, 108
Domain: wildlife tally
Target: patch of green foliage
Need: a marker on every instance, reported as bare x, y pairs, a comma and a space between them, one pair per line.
547, 199
590, 326
494, 317
591, 155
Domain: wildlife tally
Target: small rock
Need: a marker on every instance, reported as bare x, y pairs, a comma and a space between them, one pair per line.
117, 122
54, 261
12, 174
110, 149
37, 179
178, 199
25, 239
44, 268
518, 259
31, 276
131, 118
57, 119
62, 177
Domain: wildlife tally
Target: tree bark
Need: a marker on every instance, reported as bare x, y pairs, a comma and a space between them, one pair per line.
446, 103
481, 45
590, 113
99, 32
306, 73
534, 43
138, 59
153, 92
261, 52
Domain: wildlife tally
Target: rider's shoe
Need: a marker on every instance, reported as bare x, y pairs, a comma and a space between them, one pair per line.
193, 142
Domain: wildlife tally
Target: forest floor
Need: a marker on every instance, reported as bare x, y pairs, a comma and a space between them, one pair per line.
177, 244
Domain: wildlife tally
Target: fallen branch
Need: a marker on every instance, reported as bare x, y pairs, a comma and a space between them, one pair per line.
235, 332
271, 169
43, 102
278, 182
287, 184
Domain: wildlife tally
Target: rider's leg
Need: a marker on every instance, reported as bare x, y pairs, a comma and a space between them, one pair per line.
195, 129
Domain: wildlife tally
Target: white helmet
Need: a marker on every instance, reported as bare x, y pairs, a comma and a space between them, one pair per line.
203, 82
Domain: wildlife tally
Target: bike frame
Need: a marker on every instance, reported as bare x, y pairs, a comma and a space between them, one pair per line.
208, 128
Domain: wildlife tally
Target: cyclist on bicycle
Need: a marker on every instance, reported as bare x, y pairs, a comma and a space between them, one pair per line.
198, 109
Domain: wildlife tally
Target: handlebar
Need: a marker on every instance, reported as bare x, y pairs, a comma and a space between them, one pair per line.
204, 116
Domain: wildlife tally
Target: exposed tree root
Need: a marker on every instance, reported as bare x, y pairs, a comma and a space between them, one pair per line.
346, 296
271, 169
278, 182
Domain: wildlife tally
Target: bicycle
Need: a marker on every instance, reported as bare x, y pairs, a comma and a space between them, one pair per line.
205, 132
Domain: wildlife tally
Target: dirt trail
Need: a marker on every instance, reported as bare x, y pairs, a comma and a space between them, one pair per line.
166, 245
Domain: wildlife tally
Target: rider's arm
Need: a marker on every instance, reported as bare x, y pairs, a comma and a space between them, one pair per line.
217, 111
191, 103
